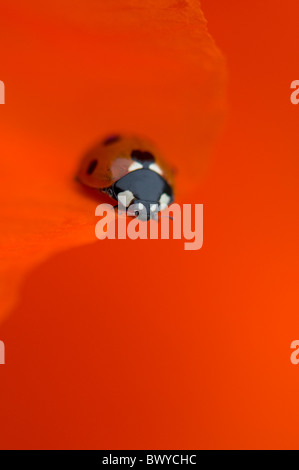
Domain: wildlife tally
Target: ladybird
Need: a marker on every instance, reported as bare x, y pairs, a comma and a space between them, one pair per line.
131, 167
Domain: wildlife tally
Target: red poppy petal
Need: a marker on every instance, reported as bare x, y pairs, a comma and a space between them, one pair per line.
74, 71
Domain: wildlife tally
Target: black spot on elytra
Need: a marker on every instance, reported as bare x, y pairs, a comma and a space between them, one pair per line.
92, 167
142, 156
111, 139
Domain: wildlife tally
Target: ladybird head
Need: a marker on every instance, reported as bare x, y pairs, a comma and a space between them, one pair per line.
144, 210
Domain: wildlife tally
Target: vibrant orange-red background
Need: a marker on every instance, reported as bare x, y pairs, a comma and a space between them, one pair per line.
167, 348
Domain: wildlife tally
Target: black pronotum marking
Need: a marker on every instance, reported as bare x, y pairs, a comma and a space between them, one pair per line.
92, 166
146, 185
